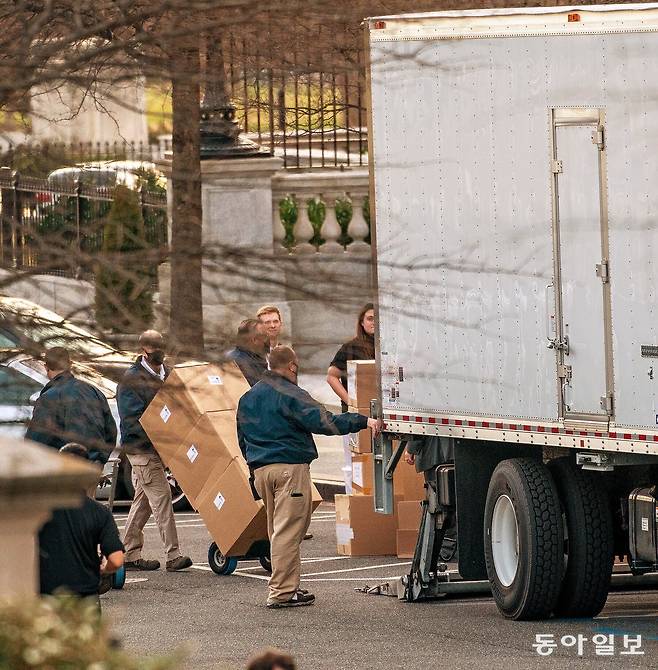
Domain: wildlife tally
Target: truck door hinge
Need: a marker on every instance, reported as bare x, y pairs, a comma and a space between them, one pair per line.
607, 402
598, 138
603, 271
556, 166
564, 371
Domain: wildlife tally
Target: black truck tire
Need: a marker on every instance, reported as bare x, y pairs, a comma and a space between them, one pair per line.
523, 539
588, 542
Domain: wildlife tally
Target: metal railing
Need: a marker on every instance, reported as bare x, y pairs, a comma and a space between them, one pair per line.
310, 118
58, 228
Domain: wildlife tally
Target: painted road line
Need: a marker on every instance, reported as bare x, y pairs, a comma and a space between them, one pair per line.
237, 573
304, 561
151, 526
365, 567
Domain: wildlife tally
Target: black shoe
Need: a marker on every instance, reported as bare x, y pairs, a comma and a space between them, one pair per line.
142, 564
308, 536
105, 584
300, 599
180, 563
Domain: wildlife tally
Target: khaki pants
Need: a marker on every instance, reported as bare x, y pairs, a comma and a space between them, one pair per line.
286, 493
152, 494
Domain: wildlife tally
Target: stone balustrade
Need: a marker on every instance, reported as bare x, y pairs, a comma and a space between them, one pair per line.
322, 212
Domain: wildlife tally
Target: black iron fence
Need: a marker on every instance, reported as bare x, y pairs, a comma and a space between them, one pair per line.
308, 112
57, 227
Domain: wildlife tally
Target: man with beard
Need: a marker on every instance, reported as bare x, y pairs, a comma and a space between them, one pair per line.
152, 493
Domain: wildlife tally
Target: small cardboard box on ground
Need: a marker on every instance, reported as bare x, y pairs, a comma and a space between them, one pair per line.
362, 474
360, 531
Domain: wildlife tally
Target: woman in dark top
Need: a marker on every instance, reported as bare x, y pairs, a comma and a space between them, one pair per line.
361, 347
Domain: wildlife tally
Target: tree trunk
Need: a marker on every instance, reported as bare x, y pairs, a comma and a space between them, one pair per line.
186, 318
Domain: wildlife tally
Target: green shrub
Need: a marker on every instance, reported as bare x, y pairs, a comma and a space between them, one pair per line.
124, 274
64, 633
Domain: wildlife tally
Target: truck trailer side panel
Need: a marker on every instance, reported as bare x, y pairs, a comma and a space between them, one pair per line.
507, 167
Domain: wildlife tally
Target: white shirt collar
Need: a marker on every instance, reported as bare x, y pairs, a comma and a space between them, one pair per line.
148, 368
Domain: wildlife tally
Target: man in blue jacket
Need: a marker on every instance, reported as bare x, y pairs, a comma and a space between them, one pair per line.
249, 351
70, 410
276, 422
152, 492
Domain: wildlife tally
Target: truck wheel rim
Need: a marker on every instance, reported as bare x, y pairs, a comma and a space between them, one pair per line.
505, 540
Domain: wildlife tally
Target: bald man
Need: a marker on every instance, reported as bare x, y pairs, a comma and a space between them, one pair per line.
152, 493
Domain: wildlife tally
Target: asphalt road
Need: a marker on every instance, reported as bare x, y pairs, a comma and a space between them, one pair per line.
221, 621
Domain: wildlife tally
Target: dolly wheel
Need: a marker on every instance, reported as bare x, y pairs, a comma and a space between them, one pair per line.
220, 564
119, 578
266, 563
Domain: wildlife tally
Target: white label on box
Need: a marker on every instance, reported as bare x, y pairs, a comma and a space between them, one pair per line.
645, 524
219, 501
357, 473
165, 413
215, 380
344, 533
192, 453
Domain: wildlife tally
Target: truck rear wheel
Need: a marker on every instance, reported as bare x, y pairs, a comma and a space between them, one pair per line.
523, 539
588, 541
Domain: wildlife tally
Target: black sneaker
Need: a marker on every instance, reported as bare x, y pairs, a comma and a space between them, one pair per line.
142, 564
300, 599
180, 563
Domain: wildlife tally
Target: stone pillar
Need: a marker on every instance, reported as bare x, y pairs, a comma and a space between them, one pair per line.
241, 270
34, 480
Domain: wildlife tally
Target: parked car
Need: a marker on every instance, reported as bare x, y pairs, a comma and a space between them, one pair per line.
108, 174
30, 328
21, 379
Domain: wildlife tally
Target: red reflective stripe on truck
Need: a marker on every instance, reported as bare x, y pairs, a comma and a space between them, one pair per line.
445, 422
431, 420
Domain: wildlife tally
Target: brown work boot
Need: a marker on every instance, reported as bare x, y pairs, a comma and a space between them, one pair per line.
180, 563
142, 564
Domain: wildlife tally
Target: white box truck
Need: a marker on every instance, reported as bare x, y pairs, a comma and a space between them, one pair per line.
514, 195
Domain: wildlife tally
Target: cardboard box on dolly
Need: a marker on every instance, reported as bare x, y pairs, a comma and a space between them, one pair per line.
192, 424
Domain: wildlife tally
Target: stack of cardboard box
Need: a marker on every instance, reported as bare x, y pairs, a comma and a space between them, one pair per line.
360, 531
192, 424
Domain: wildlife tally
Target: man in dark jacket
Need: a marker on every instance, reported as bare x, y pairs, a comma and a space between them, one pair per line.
276, 422
249, 352
152, 492
70, 410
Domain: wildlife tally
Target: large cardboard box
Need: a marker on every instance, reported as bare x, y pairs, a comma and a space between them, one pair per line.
211, 445
409, 514
362, 474
362, 386
405, 543
191, 390
360, 531
233, 518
